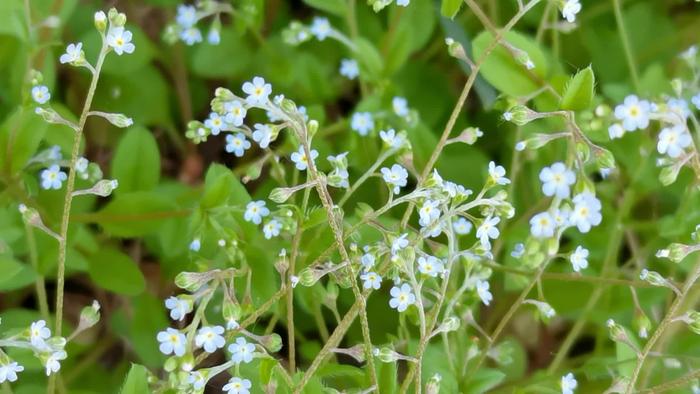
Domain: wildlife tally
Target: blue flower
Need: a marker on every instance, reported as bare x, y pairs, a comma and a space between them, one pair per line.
237, 144
53, 177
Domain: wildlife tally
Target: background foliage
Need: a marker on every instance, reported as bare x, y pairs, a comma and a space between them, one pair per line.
125, 251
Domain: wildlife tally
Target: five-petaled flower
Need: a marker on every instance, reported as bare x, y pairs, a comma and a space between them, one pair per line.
301, 162
482, 290
120, 40
255, 211
272, 228
74, 54
172, 341
462, 226
568, 384
569, 9
586, 212
349, 68
237, 144
8, 372
362, 122
241, 351
633, 113
556, 180
579, 258
402, 297
542, 225
488, 230
209, 338
258, 91
371, 280
397, 177
40, 94
237, 385
179, 307
498, 174
674, 140
430, 266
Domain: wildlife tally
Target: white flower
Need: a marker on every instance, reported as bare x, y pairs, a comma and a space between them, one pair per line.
579, 258
186, 15
367, 260
321, 28
214, 36
556, 180
179, 307
673, 140
191, 35
462, 226
397, 177
197, 380
488, 230
561, 217
391, 138
431, 266
542, 225
349, 68
262, 135
429, 213
195, 245
586, 212
498, 174
569, 10
120, 40
633, 113
210, 338
568, 383
272, 228
40, 94
696, 100
53, 177
172, 341
616, 131
371, 280
237, 386
402, 297
482, 290
255, 211
74, 54
53, 363
518, 251
403, 3
9, 372
241, 351
235, 113
400, 106
214, 123
678, 107
38, 333
237, 144
258, 91
399, 243
300, 160
362, 122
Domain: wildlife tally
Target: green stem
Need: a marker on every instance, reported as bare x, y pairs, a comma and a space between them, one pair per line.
629, 56
290, 290
668, 319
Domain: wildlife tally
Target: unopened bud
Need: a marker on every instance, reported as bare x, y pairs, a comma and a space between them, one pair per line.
469, 135
119, 120
100, 21
520, 115
272, 342
89, 316
281, 194
433, 385
603, 158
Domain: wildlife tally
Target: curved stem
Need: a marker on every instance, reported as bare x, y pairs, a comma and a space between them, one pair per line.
629, 56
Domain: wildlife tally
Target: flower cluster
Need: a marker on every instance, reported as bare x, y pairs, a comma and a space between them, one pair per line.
188, 16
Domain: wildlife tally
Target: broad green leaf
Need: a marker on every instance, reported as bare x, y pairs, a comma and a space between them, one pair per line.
135, 214
503, 71
484, 380
335, 7
369, 58
115, 271
15, 275
450, 8
136, 162
579, 91
413, 30
229, 58
217, 187
136, 381
12, 19
238, 195
20, 136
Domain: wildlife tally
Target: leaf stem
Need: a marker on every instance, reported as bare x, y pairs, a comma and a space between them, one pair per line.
629, 56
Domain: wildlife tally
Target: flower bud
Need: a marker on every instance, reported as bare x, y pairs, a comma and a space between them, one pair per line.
677, 86
456, 50
119, 120
653, 278
51, 116
192, 281
469, 135
281, 194
603, 158
385, 354
231, 311
272, 342
433, 385
520, 115
693, 320
450, 324
312, 127
288, 106
89, 316
642, 324
583, 151
669, 174
617, 332
309, 276
100, 21
116, 18
677, 252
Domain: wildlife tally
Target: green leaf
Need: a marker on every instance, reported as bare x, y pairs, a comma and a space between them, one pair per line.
217, 188
20, 136
136, 163
369, 58
15, 275
237, 193
579, 91
335, 7
413, 30
484, 380
386, 376
222, 61
501, 69
449, 8
136, 380
135, 214
116, 271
